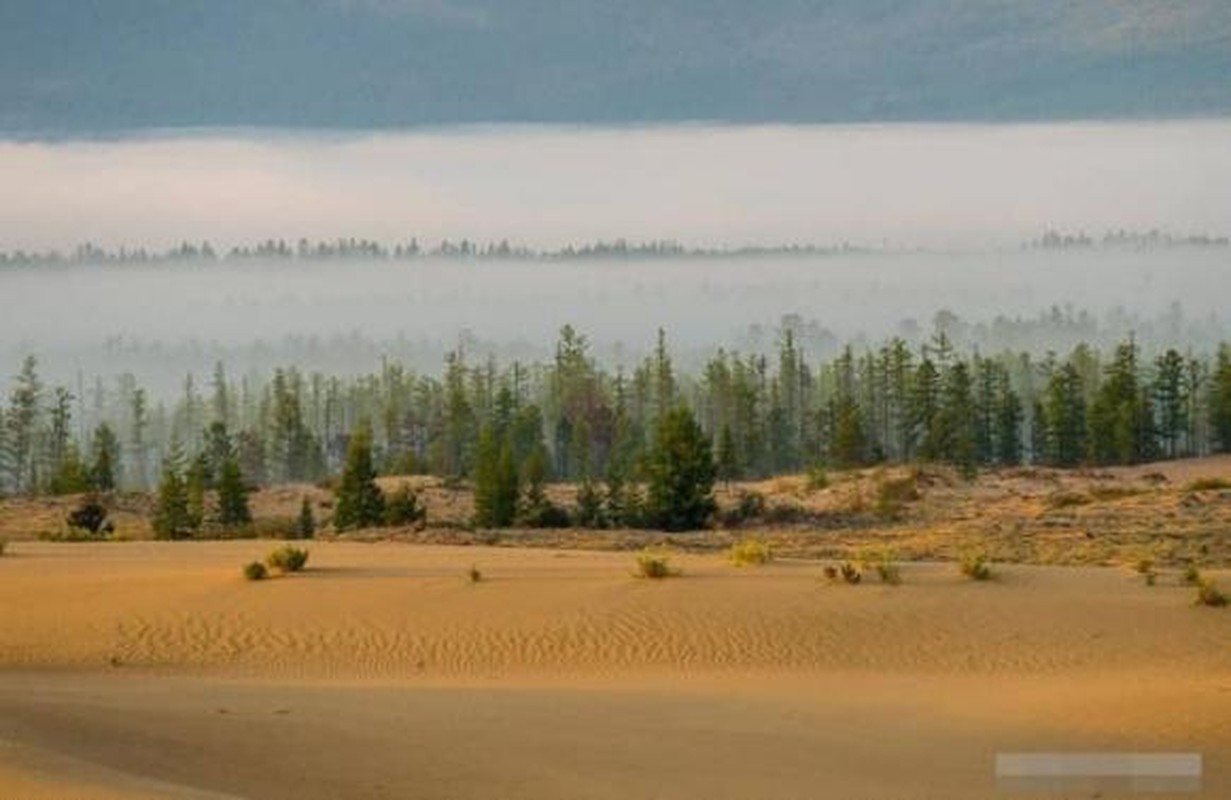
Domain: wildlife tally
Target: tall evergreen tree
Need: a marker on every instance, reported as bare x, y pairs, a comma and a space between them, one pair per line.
681, 474
359, 502
233, 510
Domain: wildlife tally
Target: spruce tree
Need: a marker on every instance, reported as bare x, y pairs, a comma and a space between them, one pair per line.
681, 474
233, 508
172, 519
103, 472
359, 501
305, 523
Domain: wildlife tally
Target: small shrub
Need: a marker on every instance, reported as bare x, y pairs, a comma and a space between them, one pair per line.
831, 572
818, 479
850, 572
403, 507
889, 572
1208, 594
545, 514
1151, 578
305, 523
1191, 576
3, 544
976, 567
1209, 484
473, 574
893, 494
287, 559
91, 517
255, 571
750, 553
1145, 566
749, 505
655, 566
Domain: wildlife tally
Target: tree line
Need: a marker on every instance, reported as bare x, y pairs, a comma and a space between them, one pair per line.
572, 419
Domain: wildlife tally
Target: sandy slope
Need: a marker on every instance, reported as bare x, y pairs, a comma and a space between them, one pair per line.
154, 670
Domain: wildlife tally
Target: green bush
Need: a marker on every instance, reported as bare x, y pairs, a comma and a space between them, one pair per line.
287, 559
1208, 594
403, 507
1191, 576
655, 566
750, 552
976, 566
255, 571
90, 516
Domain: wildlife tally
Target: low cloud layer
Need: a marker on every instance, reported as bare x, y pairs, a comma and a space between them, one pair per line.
906, 185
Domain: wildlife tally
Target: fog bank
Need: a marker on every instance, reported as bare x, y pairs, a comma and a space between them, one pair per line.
902, 185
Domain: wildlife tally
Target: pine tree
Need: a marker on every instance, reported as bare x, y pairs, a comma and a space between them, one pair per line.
496, 481
359, 501
305, 523
681, 474
1066, 418
172, 519
1220, 400
103, 472
233, 508
728, 459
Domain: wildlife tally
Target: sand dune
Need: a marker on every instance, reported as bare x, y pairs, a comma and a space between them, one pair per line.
155, 670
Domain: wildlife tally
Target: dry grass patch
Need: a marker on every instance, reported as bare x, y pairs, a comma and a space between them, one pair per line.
750, 553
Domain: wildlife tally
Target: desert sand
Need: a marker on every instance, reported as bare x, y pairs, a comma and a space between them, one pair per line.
154, 670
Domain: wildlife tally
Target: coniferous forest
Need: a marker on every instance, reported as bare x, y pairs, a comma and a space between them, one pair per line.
574, 419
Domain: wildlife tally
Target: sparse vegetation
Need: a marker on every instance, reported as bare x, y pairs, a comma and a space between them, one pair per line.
893, 494
818, 478
749, 506
287, 559
976, 566
655, 565
1191, 576
4, 543
1209, 485
1208, 594
305, 523
90, 517
1145, 568
473, 574
255, 571
850, 572
750, 553
404, 507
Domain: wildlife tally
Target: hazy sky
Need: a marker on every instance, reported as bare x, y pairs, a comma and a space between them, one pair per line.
107, 65
909, 185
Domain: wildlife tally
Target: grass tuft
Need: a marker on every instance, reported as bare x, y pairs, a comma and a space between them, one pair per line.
655, 566
473, 574
750, 553
1208, 594
976, 566
287, 559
